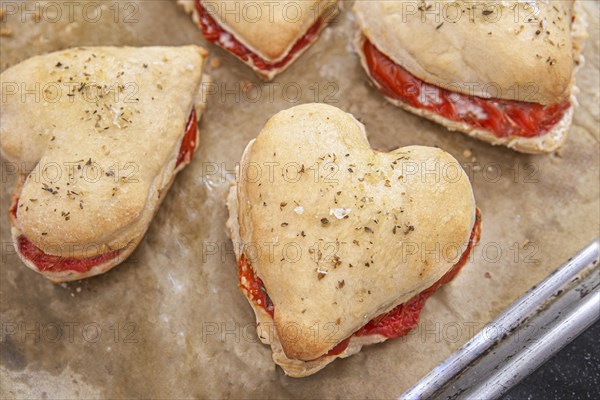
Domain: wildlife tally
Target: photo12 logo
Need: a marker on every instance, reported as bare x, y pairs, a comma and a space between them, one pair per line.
65, 251
452, 12
70, 91
69, 332
233, 331
253, 12
72, 172
69, 11
270, 92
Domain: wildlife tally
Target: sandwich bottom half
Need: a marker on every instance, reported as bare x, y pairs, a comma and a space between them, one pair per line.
397, 322
526, 127
66, 267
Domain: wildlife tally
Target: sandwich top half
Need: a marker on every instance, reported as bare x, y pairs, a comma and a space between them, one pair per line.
323, 222
100, 133
502, 71
266, 35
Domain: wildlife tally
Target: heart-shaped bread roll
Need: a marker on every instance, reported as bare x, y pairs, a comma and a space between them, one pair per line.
502, 72
99, 133
331, 235
268, 36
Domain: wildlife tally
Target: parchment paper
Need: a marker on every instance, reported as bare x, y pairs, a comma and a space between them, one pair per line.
170, 322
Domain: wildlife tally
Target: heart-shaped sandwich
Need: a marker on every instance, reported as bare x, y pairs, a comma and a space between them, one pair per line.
266, 35
502, 72
339, 245
99, 134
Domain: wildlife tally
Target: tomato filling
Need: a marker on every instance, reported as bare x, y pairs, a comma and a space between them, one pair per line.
213, 32
253, 286
50, 263
503, 118
45, 262
395, 323
188, 144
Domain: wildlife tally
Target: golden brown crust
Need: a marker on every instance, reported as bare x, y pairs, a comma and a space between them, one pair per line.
333, 242
105, 184
487, 44
272, 35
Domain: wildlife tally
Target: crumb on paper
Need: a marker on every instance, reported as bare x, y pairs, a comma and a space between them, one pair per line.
488, 275
6, 32
215, 62
525, 243
558, 154
247, 85
467, 153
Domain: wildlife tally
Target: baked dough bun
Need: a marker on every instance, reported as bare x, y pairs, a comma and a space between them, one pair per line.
269, 29
315, 206
102, 139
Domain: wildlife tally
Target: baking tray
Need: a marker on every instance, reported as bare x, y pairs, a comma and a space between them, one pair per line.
527, 334
171, 320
